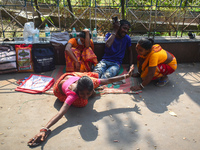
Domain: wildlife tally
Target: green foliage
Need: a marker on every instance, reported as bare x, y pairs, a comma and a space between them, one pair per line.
153, 33
48, 18
198, 27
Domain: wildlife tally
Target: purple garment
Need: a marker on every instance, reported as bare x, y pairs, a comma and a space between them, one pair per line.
117, 50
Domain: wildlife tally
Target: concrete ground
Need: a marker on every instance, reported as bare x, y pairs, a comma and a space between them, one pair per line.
161, 118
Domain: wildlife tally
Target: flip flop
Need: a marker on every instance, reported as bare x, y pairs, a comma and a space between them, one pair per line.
162, 83
119, 82
38, 142
135, 92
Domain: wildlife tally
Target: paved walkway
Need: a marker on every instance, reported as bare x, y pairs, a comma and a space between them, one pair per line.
166, 118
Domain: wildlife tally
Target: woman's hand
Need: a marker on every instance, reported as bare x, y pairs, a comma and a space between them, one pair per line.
135, 88
77, 66
130, 71
38, 138
86, 30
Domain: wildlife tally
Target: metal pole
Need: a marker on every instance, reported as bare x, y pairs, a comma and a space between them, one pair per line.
26, 11
58, 14
155, 19
2, 25
95, 15
90, 17
184, 17
150, 17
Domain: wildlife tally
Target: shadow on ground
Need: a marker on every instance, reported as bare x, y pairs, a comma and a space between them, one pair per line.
86, 117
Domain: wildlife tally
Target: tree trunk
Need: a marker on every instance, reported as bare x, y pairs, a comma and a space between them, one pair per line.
70, 7
39, 17
122, 4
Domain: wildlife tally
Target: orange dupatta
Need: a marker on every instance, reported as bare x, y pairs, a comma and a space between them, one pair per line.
85, 56
155, 48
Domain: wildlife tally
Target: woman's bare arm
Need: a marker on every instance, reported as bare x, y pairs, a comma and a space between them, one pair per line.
58, 116
41, 135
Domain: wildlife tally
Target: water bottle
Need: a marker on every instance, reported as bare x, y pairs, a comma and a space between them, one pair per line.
36, 36
74, 33
89, 31
30, 34
47, 33
30, 38
25, 36
94, 35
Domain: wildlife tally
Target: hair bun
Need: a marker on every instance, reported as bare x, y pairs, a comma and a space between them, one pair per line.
152, 41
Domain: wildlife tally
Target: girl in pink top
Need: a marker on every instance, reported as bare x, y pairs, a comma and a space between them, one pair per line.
73, 88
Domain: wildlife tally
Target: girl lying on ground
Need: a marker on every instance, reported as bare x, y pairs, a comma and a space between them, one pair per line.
153, 63
74, 89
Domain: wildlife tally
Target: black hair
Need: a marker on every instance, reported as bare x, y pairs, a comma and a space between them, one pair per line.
85, 83
82, 34
146, 43
122, 22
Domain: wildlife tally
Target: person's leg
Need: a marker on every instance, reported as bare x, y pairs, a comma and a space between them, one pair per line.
100, 68
89, 58
112, 70
164, 70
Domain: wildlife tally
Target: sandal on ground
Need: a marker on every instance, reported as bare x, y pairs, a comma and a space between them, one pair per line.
135, 92
38, 142
119, 82
162, 83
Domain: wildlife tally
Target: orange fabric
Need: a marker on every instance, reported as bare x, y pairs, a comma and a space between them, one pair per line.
85, 56
154, 58
78, 102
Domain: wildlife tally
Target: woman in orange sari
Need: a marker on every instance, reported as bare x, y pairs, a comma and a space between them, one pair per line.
74, 89
153, 63
79, 53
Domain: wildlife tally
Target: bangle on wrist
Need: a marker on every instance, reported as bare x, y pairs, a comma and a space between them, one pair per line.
142, 85
44, 129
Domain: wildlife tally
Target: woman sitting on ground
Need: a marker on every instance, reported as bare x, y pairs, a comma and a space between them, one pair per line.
153, 63
79, 53
74, 89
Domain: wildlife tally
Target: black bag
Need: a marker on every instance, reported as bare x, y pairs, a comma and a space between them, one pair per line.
7, 59
43, 59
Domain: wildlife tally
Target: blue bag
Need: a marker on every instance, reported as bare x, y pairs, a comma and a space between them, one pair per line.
43, 59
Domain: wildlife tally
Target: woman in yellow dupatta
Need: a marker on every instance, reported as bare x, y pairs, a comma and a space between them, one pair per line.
153, 63
79, 53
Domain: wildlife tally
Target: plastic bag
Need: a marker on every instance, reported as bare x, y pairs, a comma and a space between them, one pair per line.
28, 32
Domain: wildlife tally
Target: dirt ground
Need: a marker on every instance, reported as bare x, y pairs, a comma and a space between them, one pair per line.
161, 118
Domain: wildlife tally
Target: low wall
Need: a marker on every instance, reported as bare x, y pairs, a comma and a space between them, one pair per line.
184, 49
